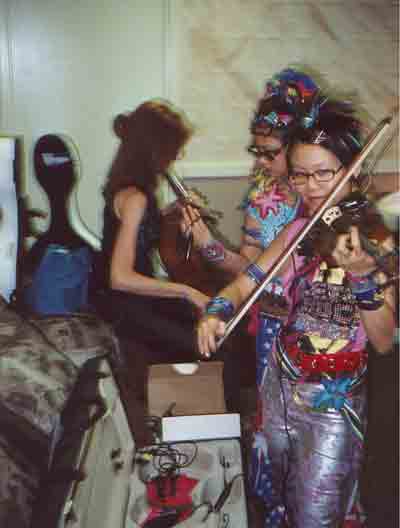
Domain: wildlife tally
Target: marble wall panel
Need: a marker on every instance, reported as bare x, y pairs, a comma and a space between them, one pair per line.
226, 49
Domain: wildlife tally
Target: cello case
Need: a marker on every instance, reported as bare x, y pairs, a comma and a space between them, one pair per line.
58, 266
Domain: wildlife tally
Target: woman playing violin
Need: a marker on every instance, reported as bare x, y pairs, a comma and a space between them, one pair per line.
157, 312
313, 389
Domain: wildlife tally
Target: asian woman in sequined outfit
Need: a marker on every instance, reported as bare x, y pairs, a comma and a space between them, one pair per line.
314, 386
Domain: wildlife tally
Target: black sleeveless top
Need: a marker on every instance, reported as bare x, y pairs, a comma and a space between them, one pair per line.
148, 237
164, 325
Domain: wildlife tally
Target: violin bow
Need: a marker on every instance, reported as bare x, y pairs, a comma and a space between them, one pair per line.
373, 140
370, 164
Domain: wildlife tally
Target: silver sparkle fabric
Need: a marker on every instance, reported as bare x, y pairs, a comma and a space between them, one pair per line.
315, 457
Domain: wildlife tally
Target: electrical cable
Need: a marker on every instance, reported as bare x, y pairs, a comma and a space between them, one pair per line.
224, 495
166, 459
288, 452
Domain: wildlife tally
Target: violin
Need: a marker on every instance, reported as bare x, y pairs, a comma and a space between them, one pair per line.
354, 210
181, 259
375, 138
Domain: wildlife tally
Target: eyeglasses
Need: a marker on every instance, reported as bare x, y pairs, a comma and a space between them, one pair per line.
260, 152
320, 176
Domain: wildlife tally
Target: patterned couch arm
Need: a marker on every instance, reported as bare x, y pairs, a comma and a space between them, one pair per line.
40, 358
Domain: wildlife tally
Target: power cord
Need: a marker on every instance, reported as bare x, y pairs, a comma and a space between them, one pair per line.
166, 459
288, 452
223, 497
154, 422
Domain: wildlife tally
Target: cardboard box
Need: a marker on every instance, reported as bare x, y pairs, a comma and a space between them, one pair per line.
186, 389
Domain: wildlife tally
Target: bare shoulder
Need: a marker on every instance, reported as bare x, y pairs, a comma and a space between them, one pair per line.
129, 200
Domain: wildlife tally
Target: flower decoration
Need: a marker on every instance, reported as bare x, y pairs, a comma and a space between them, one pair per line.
333, 394
268, 201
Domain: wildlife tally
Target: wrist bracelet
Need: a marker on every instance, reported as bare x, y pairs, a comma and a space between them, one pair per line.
222, 307
366, 291
255, 273
214, 251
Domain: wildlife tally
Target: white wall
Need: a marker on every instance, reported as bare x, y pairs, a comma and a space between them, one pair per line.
225, 50
68, 67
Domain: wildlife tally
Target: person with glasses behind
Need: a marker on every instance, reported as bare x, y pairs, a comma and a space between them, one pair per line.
269, 205
336, 299
270, 202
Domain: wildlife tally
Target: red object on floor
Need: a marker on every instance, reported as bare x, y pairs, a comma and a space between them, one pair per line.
175, 494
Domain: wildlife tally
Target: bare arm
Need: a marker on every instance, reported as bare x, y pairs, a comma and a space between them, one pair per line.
130, 206
232, 262
210, 327
379, 324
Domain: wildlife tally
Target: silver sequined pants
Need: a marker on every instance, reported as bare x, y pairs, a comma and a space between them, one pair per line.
315, 456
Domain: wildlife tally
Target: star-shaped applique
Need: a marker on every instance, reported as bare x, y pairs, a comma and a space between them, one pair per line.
268, 202
333, 394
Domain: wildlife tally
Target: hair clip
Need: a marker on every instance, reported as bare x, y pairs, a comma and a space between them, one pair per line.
354, 140
310, 118
319, 137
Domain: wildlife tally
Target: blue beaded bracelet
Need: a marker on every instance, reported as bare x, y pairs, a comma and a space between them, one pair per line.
366, 290
222, 307
255, 273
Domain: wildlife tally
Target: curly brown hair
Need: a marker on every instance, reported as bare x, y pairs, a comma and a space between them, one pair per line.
151, 138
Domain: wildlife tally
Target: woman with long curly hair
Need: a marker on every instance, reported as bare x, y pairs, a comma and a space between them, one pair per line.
158, 312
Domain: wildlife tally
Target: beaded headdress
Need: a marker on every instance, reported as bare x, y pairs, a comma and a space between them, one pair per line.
285, 93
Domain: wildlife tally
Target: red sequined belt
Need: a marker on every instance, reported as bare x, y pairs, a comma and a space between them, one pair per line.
326, 363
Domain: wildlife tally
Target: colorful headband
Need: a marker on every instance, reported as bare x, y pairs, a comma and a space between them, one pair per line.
273, 119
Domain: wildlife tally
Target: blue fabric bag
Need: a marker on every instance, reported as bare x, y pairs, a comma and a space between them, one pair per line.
60, 283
